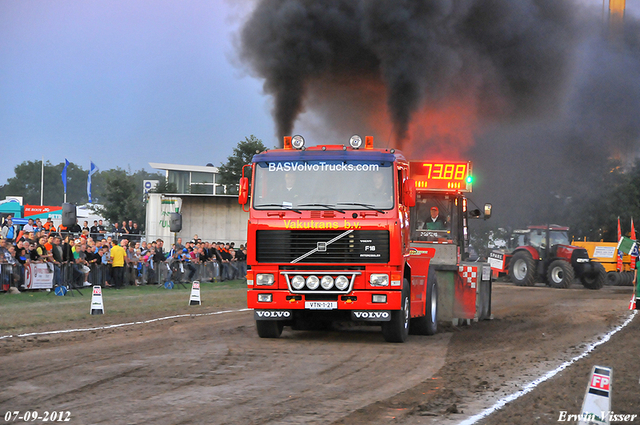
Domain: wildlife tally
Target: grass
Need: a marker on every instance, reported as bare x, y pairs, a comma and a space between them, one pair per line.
40, 310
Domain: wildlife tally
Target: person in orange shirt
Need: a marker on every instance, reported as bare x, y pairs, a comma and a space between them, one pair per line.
49, 243
48, 226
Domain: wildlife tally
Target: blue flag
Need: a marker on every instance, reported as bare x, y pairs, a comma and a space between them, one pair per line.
64, 175
92, 170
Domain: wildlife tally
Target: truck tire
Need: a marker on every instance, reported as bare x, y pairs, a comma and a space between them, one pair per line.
596, 279
397, 329
269, 328
522, 269
428, 324
614, 278
560, 274
627, 279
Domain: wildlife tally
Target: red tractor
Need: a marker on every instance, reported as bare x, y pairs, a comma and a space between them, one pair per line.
527, 259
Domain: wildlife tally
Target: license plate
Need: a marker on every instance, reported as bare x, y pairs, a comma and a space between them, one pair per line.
321, 305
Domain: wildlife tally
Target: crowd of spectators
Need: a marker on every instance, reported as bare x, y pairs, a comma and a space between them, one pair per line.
80, 254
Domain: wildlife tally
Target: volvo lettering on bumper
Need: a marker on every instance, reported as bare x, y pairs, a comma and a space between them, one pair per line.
271, 314
374, 315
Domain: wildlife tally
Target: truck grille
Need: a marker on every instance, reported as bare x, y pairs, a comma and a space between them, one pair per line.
292, 246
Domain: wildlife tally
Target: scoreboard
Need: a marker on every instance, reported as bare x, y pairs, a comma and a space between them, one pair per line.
450, 176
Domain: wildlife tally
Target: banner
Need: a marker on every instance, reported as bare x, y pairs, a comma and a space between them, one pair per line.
632, 264
64, 175
43, 212
38, 276
92, 170
159, 209
619, 261
627, 246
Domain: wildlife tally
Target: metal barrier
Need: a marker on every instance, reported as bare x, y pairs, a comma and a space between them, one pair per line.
9, 276
178, 271
72, 275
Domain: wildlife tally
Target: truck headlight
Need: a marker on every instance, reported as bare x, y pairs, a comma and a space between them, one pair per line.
297, 282
326, 282
264, 279
313, 282
342, 282
379, 279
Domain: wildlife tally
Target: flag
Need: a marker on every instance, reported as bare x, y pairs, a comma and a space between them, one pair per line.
632, 303
619, 262
92, 170
627, 246
634, 256
64, 175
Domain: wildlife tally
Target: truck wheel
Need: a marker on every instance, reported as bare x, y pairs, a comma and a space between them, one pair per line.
613, 278
522, 269
560, 274
428, 324
269, 328
596, 279
628, 279
397, 329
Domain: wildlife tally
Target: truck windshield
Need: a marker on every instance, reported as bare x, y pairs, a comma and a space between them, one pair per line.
322, 185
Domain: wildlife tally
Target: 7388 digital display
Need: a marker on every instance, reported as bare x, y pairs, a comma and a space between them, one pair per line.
441, 175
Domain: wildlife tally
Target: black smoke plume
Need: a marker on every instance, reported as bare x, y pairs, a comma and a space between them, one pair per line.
509, 52
549, 93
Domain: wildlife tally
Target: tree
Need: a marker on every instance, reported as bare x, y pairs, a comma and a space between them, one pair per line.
26, 183
230, 172
122, 197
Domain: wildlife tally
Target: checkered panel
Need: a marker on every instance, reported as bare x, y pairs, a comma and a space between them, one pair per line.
469, 275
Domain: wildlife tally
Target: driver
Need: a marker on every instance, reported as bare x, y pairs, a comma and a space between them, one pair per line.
290, 187
436, 221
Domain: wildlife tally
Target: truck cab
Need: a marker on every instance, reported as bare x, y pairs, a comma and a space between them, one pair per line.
440, 221
330, 240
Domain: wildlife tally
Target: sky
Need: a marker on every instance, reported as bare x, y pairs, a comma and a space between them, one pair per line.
125, 83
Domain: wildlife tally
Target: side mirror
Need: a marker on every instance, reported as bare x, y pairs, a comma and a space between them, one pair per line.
243, 195
409, 189
487, 211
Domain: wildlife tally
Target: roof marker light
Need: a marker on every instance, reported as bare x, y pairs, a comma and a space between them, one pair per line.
355, 141
297, 142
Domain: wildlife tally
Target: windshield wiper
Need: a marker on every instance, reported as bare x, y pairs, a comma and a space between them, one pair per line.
331, 207
368, 206
278, 205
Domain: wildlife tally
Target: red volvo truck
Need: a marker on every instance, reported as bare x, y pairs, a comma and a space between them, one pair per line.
339, 233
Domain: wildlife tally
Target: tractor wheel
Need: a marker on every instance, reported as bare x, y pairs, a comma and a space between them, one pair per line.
596, 279
628, 279
560, 274
624, 279
522, 269
397, 329
428, 324
269, 328
614, 278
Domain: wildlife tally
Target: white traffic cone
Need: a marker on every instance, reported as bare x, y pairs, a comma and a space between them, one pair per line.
96, 301
596, 408
194, 299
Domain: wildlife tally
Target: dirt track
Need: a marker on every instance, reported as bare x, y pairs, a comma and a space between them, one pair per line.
215, 370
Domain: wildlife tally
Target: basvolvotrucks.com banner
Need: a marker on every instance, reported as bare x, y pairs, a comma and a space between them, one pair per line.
288, 166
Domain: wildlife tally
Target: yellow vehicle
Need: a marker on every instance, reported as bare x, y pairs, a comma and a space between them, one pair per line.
605, 254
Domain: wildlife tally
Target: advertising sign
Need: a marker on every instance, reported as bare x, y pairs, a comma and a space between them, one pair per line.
38, 276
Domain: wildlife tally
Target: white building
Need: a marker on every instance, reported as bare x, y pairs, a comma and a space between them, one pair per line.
207, 211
